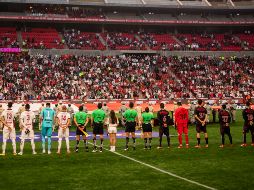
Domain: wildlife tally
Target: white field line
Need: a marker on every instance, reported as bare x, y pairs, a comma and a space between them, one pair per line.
162, 171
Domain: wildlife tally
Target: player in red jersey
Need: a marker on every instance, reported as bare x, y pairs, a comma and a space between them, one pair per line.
181, 121
224, 119
201, 118
248, 116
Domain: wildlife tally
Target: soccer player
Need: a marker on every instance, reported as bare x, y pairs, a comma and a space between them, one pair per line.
164, 122
47, 120
122, 109
27, 119
147, 124
63, 120
131, 117
1, 111
112, 130
70, 110
200, 115
97, 122
181, 121
9, 129
248, 116
81, 119
224, 119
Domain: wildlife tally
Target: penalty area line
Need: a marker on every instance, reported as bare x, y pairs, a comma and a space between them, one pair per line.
161, 170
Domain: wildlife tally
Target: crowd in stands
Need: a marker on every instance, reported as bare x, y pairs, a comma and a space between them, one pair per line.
215, 77
8, 37
126, 76
75, 39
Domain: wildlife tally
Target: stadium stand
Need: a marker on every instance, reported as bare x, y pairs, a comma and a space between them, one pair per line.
75, 39
193, 3
41, 38
8, 37
125, 2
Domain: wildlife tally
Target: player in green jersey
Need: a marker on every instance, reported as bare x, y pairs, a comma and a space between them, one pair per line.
147, 124
131, 117
97, 123
81, 119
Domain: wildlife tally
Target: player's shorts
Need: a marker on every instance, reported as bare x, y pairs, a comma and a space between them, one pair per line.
164, 130
112, 128
130, 126
9, 134
78, 132
147, 127
247, 128
224, 130
25, 135
200, 128
46, 131
98, 128
63, 133
182, 128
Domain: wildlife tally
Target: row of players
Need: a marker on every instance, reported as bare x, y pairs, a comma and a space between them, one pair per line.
98, 120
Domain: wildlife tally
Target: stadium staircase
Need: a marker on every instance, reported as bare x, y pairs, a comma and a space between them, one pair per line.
102, 40
177, 40
19, 37
139, 39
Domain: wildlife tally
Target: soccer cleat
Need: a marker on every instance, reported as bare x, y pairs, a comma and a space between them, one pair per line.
94, 150
206, 146
100, 150
76, 150
145, 148
197, 146
221, 146
126, 149
20, 153
49, 152
43, 151
34, 152
159, 147
243, 145
87, 150
187, 146
68, 151
168, 147
180, 146
14, 153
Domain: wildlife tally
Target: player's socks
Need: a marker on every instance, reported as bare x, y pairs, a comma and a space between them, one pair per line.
101, 145
134, 143
67, 144
21, 146
222, 139
127, 143
94, 143
168, 140
150, 143
145, 140
33, 145
14, 146
86, 145
180, 139
49, 143
244, 138
77, 146
206, 141
230, 138
59, 144
187, 139
160, 141
43, 143
198, 139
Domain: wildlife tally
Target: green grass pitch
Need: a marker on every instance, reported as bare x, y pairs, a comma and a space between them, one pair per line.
227, 168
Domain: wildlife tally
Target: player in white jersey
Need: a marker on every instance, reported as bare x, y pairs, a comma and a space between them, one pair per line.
63, 120
27, 119
9, 129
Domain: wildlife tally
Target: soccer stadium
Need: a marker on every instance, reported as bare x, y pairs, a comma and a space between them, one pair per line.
127, 94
